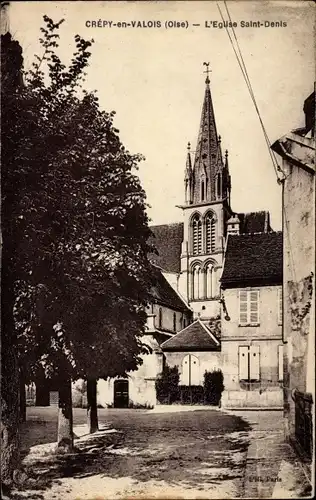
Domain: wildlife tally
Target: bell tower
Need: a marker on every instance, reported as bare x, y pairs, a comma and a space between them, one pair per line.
206, 209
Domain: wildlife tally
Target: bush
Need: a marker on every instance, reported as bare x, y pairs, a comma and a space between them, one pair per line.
167, 385
193, 394
213, 386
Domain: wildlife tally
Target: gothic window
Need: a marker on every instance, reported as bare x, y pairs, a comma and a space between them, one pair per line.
210, 233
197, 283
202, 191
197, 235
219, 185
209, 280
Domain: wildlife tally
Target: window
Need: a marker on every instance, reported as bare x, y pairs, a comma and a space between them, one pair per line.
248, 307
160, 318
280, 306
202, 191
197, 235
280, 356
209, 233
190, 370
219, 185
174, 322
211, 283
197, 283
249, 363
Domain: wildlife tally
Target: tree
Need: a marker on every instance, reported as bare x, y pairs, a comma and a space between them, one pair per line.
167, 385
11, 65
213, 386
77, 214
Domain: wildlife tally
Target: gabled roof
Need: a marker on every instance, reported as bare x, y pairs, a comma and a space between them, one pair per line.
253, 259
168, 240
195, 337
162, 293
254, 222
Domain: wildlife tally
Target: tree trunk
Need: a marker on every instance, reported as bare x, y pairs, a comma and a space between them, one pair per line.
92, 410
65, 439
22, 400
10, 439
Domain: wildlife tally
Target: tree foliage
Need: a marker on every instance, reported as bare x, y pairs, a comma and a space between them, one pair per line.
75, 211
213, 386
167, 385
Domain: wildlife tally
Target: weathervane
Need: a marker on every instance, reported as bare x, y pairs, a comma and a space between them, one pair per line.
208, 70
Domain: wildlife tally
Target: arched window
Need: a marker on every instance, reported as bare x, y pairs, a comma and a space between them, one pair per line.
209, 280
210, 233
197, 283
160, 318
202, 191
174, 322
197, 235
219, 185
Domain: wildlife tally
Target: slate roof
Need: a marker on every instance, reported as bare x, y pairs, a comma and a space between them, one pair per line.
253, 258
168, 240
162, 293
195, 337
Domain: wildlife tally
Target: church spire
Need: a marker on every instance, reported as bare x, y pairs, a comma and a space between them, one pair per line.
208, 157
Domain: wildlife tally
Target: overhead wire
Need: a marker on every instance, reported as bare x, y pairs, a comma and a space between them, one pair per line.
244, 71
276, 166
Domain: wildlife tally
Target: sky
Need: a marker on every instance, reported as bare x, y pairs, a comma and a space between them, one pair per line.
153, 78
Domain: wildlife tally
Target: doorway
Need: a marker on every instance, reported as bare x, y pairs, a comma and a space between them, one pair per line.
121, 397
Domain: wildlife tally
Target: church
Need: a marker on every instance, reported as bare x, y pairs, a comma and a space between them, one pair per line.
219, 302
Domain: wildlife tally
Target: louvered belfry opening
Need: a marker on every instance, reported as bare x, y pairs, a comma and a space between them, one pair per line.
197, 235
210, 233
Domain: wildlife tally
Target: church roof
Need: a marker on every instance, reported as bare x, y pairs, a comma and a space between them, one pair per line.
195, 337
167, 238
162, 293
208, 156
253, 259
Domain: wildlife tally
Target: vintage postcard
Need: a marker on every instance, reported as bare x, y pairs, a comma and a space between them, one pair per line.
158, 255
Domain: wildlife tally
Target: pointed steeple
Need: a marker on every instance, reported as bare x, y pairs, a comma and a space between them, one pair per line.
208, 156
188, 177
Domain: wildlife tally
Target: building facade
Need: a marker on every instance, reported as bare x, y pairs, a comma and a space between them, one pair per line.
194, 256
251, 334
297, 150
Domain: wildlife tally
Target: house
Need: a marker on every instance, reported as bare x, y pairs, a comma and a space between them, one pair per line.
251, 328
297, 150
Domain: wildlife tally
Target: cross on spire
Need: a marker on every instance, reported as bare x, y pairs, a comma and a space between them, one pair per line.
208, 70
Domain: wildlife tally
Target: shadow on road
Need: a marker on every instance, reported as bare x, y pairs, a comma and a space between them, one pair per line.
191, 447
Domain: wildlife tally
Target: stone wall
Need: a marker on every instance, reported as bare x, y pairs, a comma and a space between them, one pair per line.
299, 292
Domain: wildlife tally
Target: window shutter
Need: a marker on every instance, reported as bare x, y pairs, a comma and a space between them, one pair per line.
254, 307
243, 307
185, 370
280, 306
243, 362
254, 362
281, 362
195, 371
